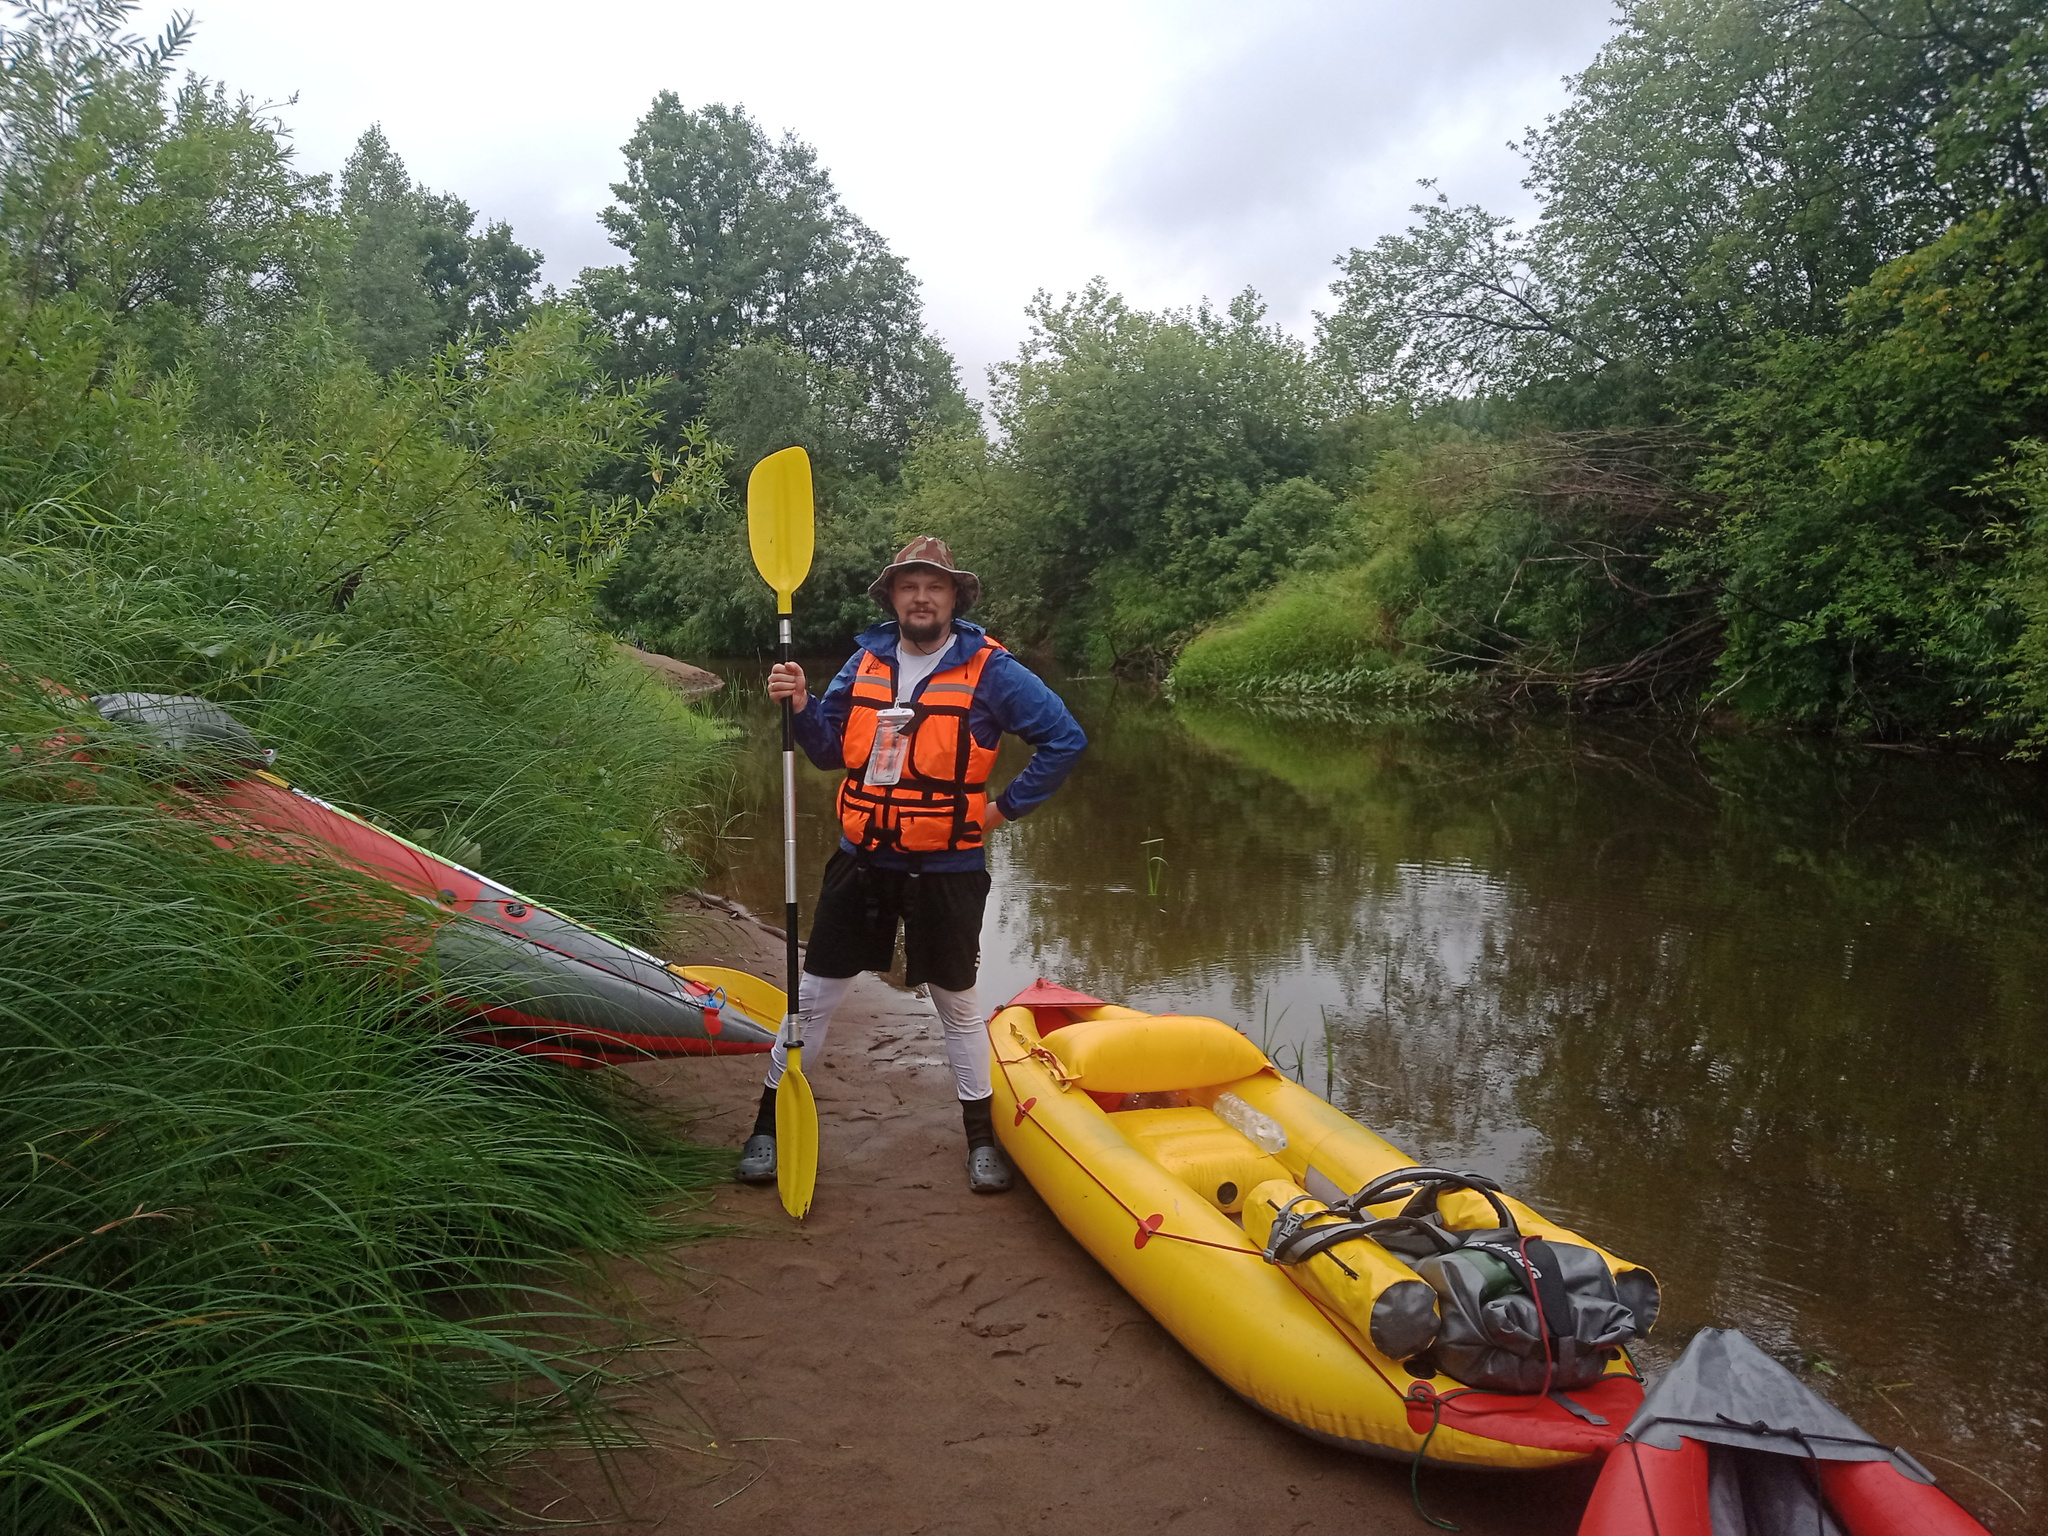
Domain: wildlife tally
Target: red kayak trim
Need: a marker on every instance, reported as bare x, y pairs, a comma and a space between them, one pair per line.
1542, 1422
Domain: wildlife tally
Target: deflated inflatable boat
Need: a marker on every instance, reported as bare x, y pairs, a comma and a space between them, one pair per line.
1730, 1443
1325, 1277
533, 980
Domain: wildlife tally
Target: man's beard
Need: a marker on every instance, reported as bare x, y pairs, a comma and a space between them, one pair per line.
921, 632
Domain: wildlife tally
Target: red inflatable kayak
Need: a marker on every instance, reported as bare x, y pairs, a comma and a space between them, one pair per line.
533, 980
1729, 1441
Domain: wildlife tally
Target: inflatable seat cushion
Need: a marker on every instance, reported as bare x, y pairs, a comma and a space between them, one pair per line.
1154, 1053
1217, 1162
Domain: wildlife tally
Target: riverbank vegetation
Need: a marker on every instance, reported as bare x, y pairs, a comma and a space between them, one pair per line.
277, 1256
1746, 418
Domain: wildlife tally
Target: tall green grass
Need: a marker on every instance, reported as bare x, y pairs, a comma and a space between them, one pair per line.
1311, 626
277, 1254
269, 1244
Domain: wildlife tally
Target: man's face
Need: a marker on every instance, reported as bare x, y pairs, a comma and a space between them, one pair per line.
924, 601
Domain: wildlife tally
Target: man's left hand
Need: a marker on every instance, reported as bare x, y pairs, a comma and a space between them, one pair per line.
992, 818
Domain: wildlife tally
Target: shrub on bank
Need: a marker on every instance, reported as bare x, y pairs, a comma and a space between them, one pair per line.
1311, 628
1470, 564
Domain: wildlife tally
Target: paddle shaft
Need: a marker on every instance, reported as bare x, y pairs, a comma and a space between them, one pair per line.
795, 1042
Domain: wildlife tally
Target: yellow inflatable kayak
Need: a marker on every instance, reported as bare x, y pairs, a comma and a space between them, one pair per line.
1322, 1274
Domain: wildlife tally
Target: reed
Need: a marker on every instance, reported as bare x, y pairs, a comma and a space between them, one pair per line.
275, 1254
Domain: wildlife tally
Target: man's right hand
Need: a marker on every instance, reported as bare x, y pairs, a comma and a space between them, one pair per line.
786, 681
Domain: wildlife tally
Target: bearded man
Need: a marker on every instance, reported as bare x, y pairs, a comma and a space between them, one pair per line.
914, 719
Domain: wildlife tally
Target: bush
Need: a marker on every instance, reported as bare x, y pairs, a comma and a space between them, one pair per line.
1529, 565
1322, 625
1866, 582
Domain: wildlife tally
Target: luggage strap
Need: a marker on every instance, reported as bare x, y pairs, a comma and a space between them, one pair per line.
1295, 1237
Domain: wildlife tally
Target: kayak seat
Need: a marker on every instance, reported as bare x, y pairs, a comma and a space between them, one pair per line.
1218, 1163
1153, 1053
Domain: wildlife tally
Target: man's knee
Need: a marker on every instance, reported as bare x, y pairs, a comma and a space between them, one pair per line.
957, 1010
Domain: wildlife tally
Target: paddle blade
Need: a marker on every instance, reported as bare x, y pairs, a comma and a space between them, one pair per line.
796, 1140
780, 524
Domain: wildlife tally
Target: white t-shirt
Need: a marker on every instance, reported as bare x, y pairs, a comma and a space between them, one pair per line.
912, 669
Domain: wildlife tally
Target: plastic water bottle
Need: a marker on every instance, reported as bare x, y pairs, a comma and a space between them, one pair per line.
1255, 1125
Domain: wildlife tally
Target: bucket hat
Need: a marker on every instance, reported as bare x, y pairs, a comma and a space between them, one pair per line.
932, 554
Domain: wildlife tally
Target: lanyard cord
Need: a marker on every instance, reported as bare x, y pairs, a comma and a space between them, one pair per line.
1635, 1456
1436, 1411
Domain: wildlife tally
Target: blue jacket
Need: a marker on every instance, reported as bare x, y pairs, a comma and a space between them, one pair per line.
1012, 698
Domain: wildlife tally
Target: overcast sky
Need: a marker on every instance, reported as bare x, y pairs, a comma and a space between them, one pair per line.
1179, 150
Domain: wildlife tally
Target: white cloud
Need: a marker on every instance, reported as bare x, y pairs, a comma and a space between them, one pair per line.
1178, 149
1305, 132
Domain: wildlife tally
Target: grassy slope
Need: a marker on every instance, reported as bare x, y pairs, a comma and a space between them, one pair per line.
268, 1247
1314, 636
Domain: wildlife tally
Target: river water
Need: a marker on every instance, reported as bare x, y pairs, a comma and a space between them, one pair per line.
1769, 1016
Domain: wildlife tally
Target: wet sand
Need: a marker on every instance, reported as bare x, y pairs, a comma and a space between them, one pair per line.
918, 1359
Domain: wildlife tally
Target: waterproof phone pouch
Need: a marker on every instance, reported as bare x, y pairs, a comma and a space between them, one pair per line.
892, 745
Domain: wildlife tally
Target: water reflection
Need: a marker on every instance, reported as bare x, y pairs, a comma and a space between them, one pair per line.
1765, 1015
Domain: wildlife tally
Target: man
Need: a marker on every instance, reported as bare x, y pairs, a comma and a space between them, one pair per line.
914, 719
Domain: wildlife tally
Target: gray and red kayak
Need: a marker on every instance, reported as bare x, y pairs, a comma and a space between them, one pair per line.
1730, 1443
538, 982
524, 976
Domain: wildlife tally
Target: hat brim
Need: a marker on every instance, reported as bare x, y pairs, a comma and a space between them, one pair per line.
965, 583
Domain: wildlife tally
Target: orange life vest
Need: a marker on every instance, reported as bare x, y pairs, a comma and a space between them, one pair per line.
940, 804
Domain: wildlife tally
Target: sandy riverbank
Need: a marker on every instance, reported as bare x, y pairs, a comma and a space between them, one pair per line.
917, 1359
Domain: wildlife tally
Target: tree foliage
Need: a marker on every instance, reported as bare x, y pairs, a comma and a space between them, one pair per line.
733, 239
1725, 169
175, 212
1866, 572
1809, 233
760, 305
413, 277
1164, 462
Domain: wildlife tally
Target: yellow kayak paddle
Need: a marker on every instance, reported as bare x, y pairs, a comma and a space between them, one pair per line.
781, 527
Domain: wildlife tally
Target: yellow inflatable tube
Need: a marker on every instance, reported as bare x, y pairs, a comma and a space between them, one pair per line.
1153, 1191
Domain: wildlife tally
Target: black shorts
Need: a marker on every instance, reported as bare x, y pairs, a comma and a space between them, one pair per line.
860, 905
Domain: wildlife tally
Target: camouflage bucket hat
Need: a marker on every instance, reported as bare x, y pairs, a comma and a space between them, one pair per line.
930, 554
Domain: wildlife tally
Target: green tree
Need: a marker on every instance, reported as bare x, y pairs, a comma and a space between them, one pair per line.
1868, 583
175, 215
1725, 169
757, 303
2021, 486
733, 239
1160, 453
412, 276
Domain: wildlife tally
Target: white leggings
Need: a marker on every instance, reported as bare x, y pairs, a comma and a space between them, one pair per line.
966, 1039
